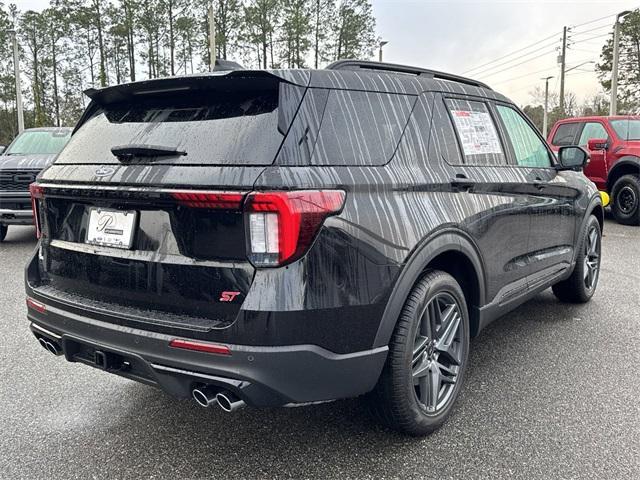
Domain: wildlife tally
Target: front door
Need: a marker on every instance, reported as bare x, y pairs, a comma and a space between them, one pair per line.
596, 169
552, 215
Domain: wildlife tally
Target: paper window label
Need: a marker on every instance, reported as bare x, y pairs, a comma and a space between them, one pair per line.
477, 132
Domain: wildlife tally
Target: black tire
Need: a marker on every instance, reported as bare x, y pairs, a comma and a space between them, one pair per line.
400, 402
581, 285
625, 199
3, 232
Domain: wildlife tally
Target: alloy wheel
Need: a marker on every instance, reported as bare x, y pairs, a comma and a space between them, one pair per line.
592, 258
437, 352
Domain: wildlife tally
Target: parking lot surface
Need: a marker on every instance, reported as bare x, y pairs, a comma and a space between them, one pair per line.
553, 391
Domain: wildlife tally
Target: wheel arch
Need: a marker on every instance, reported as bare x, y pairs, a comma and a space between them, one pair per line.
624, 166
451, 251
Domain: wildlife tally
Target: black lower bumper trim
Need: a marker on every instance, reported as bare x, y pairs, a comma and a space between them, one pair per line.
261, 376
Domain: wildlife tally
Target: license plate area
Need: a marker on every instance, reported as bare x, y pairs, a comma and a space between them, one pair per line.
111, 228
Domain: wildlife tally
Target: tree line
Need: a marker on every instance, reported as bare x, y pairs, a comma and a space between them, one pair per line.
77, 44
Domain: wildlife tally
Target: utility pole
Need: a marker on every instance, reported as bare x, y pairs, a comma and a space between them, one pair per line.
212, 38
16, 69
563, 65
382, 44
545, 118
613, 108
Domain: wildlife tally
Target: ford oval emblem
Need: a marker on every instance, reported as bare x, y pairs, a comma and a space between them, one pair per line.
105, 171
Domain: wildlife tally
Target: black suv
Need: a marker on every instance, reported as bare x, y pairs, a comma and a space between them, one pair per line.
280, 238
28, 154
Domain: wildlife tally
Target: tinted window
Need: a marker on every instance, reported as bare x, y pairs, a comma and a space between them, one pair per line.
218, 128
565, 134
627, 129
361, 128
39, 142
477, 133
529, 149
590, 131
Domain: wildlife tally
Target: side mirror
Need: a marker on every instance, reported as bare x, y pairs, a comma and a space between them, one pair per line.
572, 158
2, 149
596, 144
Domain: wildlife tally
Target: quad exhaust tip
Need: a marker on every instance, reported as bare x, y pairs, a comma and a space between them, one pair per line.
205, 396
50, 346
229, 402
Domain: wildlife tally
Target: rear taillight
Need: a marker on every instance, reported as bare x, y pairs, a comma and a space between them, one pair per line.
282, 225
212, 200
37, 192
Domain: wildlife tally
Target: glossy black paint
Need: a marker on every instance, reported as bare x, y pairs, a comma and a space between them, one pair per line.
504, 232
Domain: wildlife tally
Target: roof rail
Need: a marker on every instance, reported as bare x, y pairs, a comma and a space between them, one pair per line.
395, 68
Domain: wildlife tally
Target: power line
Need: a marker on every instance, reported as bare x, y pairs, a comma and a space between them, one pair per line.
511, 53
507, 62
490, 74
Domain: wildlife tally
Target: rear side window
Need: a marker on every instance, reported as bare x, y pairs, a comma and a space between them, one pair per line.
590, 131
213, 127
361, 128
477, 133
565, 134
529, 149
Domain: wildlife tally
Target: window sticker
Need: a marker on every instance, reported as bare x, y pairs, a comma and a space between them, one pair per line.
477, 132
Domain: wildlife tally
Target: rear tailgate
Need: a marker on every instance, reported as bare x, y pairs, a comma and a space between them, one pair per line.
185, 265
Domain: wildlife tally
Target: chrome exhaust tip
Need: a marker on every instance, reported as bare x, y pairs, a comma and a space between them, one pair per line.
205, 396
229, 402
50, 346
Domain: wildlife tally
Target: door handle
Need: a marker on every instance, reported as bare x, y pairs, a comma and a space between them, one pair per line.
462, 184
538, 183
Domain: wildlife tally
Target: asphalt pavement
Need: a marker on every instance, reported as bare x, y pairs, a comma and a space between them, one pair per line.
552, 391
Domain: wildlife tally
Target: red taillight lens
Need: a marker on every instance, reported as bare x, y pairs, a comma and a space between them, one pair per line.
37, 192
200, 346
213, 200
282, 225
37, 306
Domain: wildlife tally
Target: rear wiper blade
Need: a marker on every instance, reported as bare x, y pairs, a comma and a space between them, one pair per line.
128, 152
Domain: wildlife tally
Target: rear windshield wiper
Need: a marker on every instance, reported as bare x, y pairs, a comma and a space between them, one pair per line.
127, 152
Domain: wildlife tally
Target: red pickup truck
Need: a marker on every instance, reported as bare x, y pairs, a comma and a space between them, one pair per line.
614, 144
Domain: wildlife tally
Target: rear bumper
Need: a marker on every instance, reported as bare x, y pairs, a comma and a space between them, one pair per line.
261, 376
16, 217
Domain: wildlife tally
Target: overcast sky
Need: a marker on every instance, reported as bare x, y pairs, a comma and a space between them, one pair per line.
458, 35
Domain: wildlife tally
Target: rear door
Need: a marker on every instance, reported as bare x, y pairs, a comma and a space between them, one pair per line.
493, 193
552, 213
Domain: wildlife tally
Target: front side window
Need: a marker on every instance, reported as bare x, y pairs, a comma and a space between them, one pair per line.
565, 134
529, 149
590, 131
627, 129
39, 142
477, 133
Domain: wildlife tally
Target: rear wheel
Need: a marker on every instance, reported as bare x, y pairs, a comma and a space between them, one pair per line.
581, 285
3, 232
427, 357
626, 200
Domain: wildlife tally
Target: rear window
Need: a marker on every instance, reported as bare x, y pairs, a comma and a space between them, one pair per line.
565, 135
39, 142
212, 127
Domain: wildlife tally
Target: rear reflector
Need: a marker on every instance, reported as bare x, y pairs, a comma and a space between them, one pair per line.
283, 225
200, 346
37, 306
37, 192
213, 200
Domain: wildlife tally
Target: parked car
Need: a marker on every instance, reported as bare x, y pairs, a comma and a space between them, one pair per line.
614, 145
20, 163
280, 238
